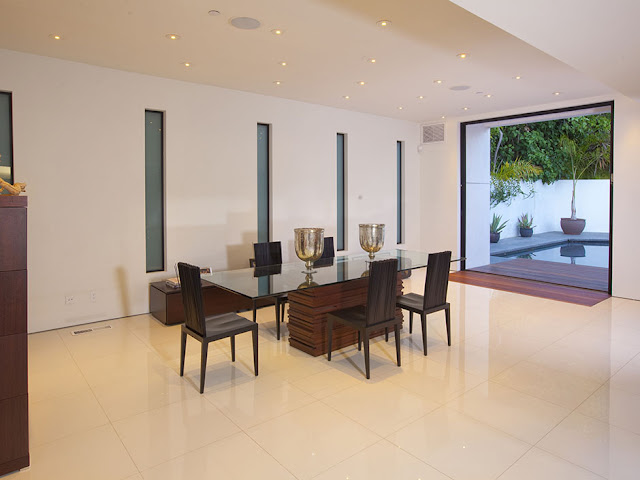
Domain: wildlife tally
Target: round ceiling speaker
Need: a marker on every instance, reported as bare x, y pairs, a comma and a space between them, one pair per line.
245, 23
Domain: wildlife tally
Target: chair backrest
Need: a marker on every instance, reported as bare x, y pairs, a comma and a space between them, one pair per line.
267, 253
191, 287
381, 298
328, 251
435, 288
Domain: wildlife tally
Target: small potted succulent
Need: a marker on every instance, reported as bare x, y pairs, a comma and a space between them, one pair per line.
495, 227
526, 225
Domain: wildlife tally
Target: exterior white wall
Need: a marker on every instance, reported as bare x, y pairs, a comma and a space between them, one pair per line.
79, 145
552, 202
441, 177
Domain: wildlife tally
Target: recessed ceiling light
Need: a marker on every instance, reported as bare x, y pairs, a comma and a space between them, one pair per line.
361, 83
488, 95
383, 23
462, 55
346, 97
465, 108
420, 97
399, 108
55, 37
556, 93
517, 77
187, 64
371, 60
439, 82
214, 13
442, 117
277, 31
278, 82
284, 64
245, 23
172, 36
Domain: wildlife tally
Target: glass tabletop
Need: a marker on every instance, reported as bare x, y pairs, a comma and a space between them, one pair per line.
280, 279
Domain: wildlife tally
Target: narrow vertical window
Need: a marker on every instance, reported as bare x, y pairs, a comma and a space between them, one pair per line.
341, 175
6, 138
399, 193
263, 182
154, 189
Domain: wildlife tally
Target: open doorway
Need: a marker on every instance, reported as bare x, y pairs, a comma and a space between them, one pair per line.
543, 182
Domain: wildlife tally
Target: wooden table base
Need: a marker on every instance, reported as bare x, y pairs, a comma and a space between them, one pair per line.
308, 310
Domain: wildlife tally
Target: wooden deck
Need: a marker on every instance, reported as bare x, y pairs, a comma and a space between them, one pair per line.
581, 276
533, 288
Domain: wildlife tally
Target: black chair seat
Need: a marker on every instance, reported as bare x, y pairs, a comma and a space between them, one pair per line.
434, 298
227, 324
380, 311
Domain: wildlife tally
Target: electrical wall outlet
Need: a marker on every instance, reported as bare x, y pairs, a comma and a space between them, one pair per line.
93, 296
69, 299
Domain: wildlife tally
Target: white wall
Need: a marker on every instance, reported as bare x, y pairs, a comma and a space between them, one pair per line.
79, 145
441, 183
552, 202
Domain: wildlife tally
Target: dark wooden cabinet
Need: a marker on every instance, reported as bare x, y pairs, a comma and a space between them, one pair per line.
14, 403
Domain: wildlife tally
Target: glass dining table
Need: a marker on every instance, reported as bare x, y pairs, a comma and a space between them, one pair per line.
335, 283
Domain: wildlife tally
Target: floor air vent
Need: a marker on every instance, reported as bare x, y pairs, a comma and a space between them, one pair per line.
433, 133
89, 330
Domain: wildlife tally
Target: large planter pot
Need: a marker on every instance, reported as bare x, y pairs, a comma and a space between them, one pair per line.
526, 232
494, 237
572, 226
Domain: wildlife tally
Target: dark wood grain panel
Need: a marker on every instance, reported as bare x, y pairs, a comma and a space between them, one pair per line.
560, 293
13, 237
13, 302
308, 309
13, 365
14, 436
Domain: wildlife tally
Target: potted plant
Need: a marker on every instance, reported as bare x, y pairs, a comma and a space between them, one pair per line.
495, 227
526, 225
593, 154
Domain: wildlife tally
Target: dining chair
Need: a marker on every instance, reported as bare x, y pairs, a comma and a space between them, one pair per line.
328, 254
208, 329
267, 254
435, 295
378, 313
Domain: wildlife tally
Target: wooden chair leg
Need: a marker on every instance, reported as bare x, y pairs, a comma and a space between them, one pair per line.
447, 316
329, 337
423, 318
396, 331
255, 350
183, 351
282, 305
410, 322
367, 366
359, 341
233, 348
386, 334
255, 318
203, 364
277, 319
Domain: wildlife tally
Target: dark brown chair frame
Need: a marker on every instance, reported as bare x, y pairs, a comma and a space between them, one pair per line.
268, 254
208, 329
435, 295
379, 312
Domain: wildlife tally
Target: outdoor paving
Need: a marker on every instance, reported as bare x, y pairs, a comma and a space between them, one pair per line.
516, 244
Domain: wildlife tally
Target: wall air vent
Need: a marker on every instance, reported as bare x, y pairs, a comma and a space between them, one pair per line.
89, 330
433, 133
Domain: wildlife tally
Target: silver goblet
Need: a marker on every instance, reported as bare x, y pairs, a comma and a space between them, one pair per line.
371, 237
309, 243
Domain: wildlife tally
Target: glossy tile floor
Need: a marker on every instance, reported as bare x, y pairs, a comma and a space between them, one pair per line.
530, 389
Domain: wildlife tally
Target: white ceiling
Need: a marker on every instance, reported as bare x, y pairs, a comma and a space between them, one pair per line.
599, 38
325, 44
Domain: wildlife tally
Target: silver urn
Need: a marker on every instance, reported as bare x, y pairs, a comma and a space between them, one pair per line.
309, 244
371, 237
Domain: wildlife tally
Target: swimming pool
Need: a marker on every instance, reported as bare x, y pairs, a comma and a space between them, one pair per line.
595, 254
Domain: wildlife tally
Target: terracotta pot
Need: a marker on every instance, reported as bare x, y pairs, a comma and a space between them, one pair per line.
572, 227
494, 237
526, 232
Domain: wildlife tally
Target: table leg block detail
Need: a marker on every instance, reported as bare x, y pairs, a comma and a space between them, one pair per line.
308, 310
